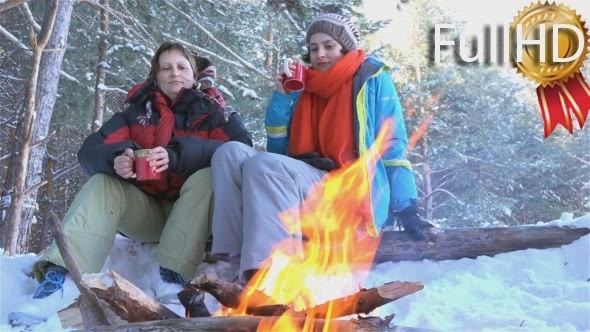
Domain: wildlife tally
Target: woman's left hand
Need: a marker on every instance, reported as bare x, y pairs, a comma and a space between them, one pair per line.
158, 157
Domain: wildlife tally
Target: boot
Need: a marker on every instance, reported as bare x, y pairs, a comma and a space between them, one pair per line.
54, 281
413, 224
172, 277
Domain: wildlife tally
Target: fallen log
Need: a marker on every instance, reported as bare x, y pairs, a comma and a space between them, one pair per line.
251, 323
122, 302
126, 300
456, 243
90, 307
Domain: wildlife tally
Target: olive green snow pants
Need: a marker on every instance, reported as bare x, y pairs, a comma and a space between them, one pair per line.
106, 205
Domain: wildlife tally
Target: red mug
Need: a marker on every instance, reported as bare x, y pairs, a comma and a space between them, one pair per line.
293, 80
143, 170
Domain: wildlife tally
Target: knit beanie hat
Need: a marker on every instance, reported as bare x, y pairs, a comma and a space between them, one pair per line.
337, 26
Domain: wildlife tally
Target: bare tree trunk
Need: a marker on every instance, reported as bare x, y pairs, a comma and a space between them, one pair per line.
30, 146
45, 204
269, 36
47, 86
11, 242
101, 67
427, 180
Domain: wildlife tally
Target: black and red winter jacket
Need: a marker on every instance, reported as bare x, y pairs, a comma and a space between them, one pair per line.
200, 126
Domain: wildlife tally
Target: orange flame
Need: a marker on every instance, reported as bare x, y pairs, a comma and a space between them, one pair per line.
335, 222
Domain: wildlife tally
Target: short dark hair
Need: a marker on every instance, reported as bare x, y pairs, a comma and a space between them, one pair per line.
167, 46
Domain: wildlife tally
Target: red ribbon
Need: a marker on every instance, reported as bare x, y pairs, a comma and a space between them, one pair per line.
561, 99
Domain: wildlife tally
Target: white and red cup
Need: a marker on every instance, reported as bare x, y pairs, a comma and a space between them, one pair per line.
143, 170
293, 80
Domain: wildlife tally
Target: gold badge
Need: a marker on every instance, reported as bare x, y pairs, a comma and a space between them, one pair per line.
549, 46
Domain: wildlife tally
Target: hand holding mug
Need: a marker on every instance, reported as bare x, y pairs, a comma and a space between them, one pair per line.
123, 164
293, 78
150, 163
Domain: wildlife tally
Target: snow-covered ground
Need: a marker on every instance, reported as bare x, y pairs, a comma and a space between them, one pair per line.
527, 290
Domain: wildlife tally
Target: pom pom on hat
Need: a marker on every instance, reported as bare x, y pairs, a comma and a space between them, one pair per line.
337, 26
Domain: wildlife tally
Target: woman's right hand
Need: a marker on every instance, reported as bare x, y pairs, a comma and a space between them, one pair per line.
279, 83
124, 164
280, 76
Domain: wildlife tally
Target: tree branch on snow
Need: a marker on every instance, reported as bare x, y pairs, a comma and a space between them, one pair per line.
260, 39
246, 92
29, 17
51, 156
12, 78
443, 183
446, 192
89, 88
291, 19
34, 188
12, 38
4, 157
6, 5
466, 158
71, 78
108, 88
43, 140
8, 124
70, 167
202, 50
121, 18
246, 64
64, 170
139, 25
414, 154
585, 162
98, 316
441, 170
28, 51
438, 206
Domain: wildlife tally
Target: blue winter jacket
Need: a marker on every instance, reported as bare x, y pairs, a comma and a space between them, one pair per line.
375, 100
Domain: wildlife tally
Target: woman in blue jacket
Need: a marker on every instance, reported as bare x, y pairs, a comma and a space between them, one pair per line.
347, 98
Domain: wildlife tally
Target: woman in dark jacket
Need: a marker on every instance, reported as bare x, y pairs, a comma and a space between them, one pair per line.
181, 127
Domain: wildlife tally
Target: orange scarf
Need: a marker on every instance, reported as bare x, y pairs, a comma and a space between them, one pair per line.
323, 119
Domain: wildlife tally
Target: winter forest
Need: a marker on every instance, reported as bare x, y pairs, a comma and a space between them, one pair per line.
476, 145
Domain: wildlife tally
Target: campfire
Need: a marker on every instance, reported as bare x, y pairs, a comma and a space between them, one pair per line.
337, 252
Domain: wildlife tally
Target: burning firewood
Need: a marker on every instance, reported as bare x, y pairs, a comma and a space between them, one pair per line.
120, 294
365, 300
230, 294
